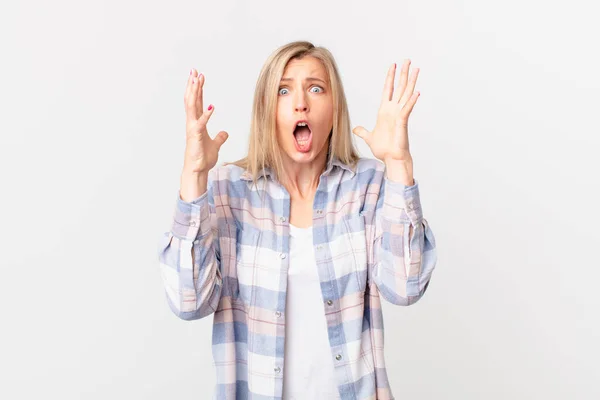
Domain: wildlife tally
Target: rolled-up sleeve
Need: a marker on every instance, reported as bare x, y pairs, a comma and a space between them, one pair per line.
404, 249
189, 259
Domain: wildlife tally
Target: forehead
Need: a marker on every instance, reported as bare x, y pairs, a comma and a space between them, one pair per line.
307, 66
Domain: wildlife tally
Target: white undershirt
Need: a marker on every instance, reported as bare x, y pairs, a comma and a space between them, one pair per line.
308, 366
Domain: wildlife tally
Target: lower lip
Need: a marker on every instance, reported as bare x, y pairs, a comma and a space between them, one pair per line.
306, 147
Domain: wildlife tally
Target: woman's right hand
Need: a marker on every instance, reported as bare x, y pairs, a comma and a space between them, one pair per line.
201, 152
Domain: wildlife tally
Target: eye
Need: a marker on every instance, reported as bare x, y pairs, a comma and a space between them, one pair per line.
318, 87
280, 89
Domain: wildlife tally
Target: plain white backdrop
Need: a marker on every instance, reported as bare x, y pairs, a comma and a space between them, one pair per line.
504, 137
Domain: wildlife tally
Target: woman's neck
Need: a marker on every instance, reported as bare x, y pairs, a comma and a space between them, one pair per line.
302, 179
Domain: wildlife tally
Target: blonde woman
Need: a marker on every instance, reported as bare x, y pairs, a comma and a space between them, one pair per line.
292, 247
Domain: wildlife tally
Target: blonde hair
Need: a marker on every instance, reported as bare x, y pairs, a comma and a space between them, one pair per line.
263, 150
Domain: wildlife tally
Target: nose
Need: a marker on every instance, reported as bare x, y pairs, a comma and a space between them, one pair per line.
300, 102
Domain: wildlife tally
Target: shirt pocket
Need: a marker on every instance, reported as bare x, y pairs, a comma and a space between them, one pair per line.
247, 240
353, 255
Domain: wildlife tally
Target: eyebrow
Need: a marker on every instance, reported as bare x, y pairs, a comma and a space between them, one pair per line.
310, 78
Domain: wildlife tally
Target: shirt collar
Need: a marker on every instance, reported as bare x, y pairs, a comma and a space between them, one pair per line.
335, 162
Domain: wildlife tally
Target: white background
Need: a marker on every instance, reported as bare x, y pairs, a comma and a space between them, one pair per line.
504, 137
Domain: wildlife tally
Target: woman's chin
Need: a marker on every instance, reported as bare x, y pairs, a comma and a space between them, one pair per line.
301, 157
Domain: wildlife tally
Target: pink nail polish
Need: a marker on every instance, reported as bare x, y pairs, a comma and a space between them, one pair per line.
191, 70
210, 107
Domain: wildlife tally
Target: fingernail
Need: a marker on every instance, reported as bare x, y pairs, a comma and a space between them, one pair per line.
191, 70
210, 107
199, 76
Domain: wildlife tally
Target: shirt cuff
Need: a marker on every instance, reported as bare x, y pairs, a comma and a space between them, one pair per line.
402, 203
191, 220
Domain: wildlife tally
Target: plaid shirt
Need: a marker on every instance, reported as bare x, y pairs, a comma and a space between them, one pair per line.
370, 239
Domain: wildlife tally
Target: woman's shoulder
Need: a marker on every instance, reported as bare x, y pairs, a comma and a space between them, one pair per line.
226, 173
369, 164
369, 168
228, 180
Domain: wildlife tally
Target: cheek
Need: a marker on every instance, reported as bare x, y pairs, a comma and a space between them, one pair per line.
282, 137
281, 114
326, 120
279, 123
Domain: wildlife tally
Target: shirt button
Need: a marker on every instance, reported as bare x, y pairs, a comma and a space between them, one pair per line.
192, 223
319, 212
320, 247
282, 255
329, 302
282, 219
338, 357
410, 205
278, 313
277, 370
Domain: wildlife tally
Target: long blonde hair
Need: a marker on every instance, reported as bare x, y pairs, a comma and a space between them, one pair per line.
263, 150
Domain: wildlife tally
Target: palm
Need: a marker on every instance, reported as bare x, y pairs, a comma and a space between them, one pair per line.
389, 139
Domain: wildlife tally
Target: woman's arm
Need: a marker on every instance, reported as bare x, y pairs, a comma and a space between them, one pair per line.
404, 254
404, 247
189, 257
189, 254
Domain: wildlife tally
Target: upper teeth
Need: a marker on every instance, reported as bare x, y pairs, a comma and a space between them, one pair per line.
301, 124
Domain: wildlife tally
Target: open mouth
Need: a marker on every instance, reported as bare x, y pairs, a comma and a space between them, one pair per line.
303, 137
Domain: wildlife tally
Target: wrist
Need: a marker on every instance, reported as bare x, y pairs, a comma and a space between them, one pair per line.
193, 175
193, 185
399, 171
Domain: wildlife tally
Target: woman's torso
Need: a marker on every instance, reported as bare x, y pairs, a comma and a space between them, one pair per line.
252, 228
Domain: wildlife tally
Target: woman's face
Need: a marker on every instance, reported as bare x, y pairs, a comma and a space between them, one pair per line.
304, 95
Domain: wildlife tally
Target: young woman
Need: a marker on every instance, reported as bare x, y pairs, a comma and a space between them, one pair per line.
293, 246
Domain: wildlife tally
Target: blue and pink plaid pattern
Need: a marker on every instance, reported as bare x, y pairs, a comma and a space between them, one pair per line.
227, 254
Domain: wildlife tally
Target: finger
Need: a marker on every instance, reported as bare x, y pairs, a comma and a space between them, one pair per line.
411, 103
411, 87
221, 138
188, 87
361, 132
402, 81
199, 95
194, 94
203, 120
388, 87
190, 99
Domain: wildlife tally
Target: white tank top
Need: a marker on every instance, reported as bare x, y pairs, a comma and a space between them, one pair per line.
308, 364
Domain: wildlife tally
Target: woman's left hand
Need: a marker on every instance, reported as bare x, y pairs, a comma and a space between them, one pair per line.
389, 139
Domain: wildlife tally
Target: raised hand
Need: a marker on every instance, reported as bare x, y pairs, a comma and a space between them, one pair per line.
201, 152
389, 139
